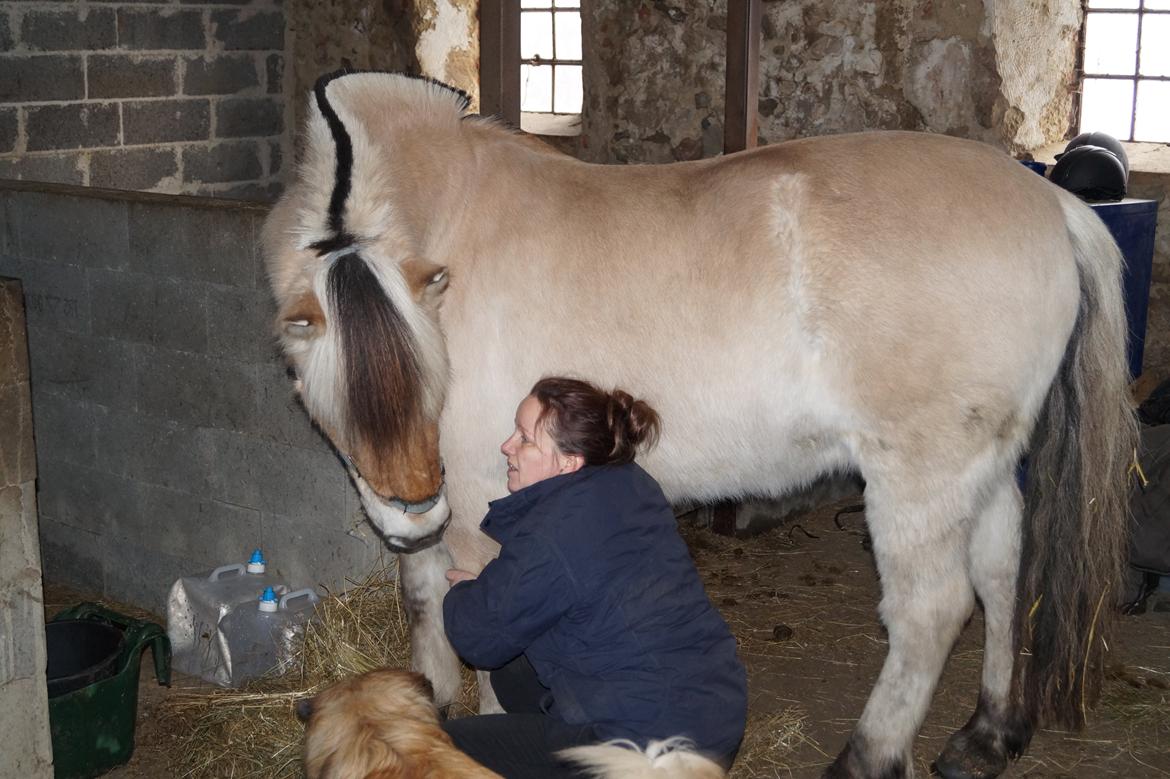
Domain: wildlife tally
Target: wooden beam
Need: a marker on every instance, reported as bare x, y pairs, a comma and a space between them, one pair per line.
499, 59
742, 94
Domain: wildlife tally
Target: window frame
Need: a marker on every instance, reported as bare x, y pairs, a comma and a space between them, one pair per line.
1135, 79
551, 10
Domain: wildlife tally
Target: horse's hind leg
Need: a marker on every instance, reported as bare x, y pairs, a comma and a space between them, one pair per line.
920, 544
996, 731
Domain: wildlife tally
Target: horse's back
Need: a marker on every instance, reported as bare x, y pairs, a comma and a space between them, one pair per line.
814, 297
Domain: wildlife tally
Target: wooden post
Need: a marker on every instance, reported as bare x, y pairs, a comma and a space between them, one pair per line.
499, 59
742, 95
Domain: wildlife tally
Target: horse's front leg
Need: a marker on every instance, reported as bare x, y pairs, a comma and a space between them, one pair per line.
424, 583
920, 544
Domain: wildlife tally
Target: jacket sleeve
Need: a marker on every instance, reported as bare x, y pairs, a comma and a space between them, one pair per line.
514, 600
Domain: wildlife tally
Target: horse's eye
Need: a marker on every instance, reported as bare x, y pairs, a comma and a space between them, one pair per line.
299, 328
291, 372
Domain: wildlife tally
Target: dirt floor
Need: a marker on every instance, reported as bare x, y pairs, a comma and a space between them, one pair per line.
802, 601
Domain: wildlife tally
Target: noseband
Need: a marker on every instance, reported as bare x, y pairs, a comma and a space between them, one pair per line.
426, 542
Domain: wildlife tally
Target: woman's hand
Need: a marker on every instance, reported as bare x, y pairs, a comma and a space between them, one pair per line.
455, 575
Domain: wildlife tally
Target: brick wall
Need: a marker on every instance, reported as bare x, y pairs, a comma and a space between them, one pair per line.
167, 437
166, 97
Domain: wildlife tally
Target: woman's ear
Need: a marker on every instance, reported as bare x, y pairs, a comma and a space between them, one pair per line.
571, 463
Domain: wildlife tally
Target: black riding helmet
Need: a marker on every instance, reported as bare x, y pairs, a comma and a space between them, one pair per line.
1103, 140
1091, 173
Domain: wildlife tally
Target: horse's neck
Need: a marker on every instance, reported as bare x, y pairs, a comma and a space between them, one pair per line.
459, 181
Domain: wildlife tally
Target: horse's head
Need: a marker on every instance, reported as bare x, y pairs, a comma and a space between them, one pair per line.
358, 313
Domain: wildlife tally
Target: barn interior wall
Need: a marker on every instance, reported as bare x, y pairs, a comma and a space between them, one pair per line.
436, 38
655, 72
167, 438
179, 98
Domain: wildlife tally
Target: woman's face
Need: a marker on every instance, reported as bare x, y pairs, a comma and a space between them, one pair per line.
531, 454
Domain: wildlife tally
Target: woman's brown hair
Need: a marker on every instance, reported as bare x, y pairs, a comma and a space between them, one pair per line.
605, 428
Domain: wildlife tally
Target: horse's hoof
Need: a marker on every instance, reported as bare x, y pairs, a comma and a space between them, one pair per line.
856, 763
970, 756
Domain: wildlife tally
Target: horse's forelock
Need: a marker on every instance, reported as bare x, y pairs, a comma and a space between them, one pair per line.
382, 380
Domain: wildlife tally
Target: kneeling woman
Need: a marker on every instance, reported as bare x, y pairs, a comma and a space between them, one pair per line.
593, 614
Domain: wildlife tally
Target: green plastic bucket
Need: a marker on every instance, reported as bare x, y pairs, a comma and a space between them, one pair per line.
93, 678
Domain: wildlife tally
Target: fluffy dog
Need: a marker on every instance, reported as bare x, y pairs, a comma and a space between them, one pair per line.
384, 725
381, 725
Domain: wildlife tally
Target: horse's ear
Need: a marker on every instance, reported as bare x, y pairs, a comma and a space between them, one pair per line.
427, 280
302, 317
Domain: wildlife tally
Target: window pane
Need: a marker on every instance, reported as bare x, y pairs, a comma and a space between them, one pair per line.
536, 88
1155, 48
568, 35
1106, 106
1114, 4
1153, 111
536, 35
1157, 5
1111, 44
577, 3
536, 3
568, 89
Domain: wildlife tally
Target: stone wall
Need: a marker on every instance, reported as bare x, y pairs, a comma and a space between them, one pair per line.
436, 38
655, 70
167, 437
183, 98
24, 717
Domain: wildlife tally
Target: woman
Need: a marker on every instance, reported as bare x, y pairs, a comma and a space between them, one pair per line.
593, 614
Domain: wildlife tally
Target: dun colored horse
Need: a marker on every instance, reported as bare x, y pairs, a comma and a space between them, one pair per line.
919, 309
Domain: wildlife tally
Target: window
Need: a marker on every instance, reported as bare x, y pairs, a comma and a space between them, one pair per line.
550, 66
1125, 88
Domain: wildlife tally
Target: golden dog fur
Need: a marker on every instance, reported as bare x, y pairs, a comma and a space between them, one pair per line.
384, 725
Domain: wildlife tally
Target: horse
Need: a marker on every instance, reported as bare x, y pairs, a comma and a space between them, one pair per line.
918, 309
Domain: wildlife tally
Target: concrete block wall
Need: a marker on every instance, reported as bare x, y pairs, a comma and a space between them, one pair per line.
181, 98
167, 435
24, 716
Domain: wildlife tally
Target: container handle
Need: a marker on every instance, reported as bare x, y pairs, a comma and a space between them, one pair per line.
220, 571
308, 592
136, 634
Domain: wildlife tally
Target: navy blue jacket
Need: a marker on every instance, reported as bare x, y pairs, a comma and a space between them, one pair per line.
594, 585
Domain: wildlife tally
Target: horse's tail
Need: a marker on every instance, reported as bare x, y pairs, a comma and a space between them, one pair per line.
673, 758
1076, 508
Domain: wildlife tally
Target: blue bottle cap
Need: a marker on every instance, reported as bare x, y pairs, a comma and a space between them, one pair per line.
257, 564
268, 600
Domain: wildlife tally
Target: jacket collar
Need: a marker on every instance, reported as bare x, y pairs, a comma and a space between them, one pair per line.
503, 513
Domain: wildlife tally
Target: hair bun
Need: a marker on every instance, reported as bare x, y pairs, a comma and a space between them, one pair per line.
633, 423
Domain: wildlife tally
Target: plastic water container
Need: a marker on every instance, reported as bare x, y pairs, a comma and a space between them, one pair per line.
262, 638
196, 606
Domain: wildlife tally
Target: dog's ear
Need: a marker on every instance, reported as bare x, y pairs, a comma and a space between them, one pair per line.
304, 709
